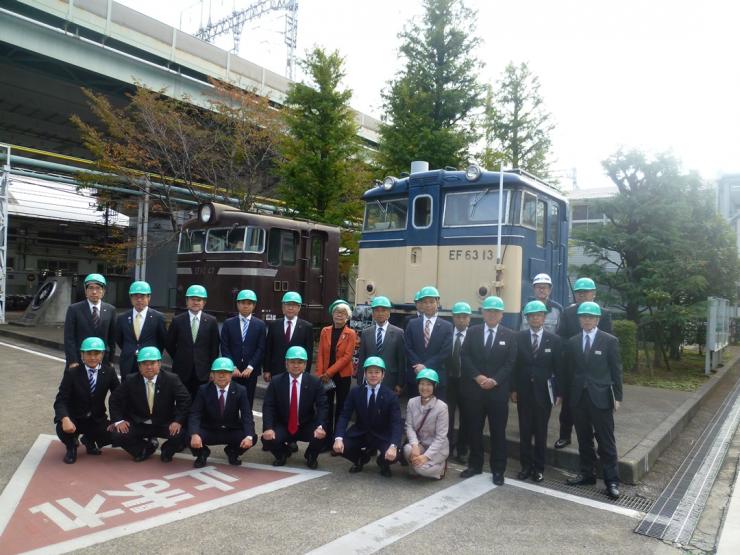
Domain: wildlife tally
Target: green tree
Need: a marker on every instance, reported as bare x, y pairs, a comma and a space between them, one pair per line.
516, 124
430, 106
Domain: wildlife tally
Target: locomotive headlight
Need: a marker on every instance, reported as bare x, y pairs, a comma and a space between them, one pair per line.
389, 182
473, 172
206, 213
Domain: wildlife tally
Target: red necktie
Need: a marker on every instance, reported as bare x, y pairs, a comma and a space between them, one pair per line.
287, 333
293, 417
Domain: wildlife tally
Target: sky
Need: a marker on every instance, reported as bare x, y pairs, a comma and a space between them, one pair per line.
658, 75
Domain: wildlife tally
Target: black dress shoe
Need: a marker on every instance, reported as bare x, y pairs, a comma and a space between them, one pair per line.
468, 472
71, 455
166, 456
537, 476
312, 462
355, 468
498, 478
612, 490
90, 446
581, 480
293, 446
234, 459
146, 452
559, 444
524, 474
200, 461
280, 460
385, 471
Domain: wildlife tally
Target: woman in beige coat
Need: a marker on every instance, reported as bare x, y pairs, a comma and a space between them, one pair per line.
427, 422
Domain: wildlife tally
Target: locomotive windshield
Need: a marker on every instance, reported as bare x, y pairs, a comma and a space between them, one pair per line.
472, 208
236, 239
192, 241
386, 215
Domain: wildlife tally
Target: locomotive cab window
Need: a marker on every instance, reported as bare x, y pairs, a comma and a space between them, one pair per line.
422, 211
554, 225
282, 247
473, 208
235, 239
192, 241
317, 247
386, 215
533, 215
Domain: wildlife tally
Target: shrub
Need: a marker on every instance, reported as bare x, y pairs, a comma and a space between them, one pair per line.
626, 332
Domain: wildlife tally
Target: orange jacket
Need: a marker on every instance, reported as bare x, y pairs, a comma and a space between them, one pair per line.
345, 350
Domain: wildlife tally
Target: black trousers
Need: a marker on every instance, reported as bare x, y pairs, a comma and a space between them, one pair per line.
534, 413
491, 404
590, 421
455, 402
91, 429
139, 434
251, 384
566, 417
230, 438
336, 398
279, 446
354, 445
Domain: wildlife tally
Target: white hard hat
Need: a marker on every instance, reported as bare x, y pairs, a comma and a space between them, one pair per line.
541, 278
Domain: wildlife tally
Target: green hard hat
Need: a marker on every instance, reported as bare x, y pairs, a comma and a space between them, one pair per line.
589, 309
380, 302
148, 353
296, 352
492, 303
417, 297
292, 297
95, 278
461, 308
197, 291
534, 306
333, 305
428, 374
374, 361
92, 344
428, 291
222, 364
140, 288
584, 284
246, 295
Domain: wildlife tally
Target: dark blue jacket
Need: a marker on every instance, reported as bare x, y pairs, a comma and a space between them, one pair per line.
249, 352
434, 356
205, 412
385, 424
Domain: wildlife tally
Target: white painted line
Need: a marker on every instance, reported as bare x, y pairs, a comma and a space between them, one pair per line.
32, 352
729, 539
381, 533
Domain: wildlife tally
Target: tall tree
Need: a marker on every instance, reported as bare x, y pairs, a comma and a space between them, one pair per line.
431, 104
516, 123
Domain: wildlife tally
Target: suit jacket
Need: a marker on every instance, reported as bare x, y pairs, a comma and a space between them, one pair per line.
206, 414
249, 352
276, 345
74, 399
393, 354
537, 369
153, 334
193, 359
434, 355
342, 366
313, 408
570, 325
384, 424
78, 325
498, 363
171, 400
600, 372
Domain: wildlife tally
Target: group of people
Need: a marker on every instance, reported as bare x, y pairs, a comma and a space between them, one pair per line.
454, 375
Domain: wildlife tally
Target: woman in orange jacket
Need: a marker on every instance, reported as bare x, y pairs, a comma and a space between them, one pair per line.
334, 361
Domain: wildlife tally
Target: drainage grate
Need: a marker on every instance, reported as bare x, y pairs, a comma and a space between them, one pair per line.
597, 493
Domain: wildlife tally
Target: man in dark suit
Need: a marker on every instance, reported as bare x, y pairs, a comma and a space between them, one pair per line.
534, 384
377, 422
385, 340
243, 339
294, 409
289, 331
461, 313
90, 318
193, 341
428, 343
79, 407
137, 328
150, 405
221, 415
488, 357
584, 290
594, 379
417, 311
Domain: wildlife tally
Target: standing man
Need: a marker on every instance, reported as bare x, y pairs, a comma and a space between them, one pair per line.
584, 290
243, 339
542, 286
461, 312
221, 415
385, 340
488, 357
594, 371
90, 318
137, 328
285, 332
153, 404
294, 409
193, 340
416, 314
428, 343
79, 407
534, 388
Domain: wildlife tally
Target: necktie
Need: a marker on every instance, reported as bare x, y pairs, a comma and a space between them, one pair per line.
137, 325
96, 317
221, 402
535, 344
489, 340
293, 416
427, 332
587, 345
379, 340
150, 395
245, 326
92, 379
287, 332
194, 328
456, 354
371, 404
